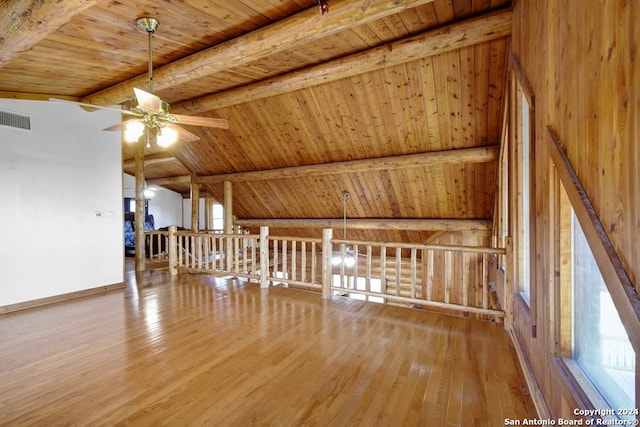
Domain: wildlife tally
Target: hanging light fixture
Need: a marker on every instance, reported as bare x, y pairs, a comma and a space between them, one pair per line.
346, 256
133, 131
149, 192
166, 136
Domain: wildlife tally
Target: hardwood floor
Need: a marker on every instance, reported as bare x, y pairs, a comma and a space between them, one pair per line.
195, 350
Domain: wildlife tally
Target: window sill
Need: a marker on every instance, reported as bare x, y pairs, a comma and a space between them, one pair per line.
580, 388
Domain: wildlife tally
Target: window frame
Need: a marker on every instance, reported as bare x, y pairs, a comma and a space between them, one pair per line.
524, 221
617, 281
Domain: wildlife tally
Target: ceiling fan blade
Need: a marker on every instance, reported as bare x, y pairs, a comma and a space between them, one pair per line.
202, 121
120, 126
183, 134
148, 101
94, 107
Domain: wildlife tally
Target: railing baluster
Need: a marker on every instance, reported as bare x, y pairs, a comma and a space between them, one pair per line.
254, 265
303, 261
207, 240
193, 251
398, 269
447, 276
284, 259
294, 263
313, 263
429, 274
221, 253
485, 284
244, 255
413, 272
275, 257
383, 269
367, 280
343, 251
236, 253
356, 262
465, 279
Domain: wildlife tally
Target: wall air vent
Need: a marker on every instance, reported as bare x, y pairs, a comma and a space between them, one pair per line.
15, 120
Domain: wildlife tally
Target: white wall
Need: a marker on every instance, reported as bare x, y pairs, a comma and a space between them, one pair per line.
165, 205
186, 214
61, 225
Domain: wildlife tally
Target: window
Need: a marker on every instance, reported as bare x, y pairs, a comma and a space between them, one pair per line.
130, 205
595, 354
601, 347
217, 216
501, 220
522, 118
525, 196
596, 344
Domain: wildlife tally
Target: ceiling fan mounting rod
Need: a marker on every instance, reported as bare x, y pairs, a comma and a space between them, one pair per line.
345, 197
150, 25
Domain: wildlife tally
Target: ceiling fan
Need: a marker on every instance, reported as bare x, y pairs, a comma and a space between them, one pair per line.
150, 113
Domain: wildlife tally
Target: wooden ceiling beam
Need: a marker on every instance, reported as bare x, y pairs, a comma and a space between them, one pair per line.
394, 224
35, 96
24, 23
151, 160
172, 180
296, 30
481, 29
460, 156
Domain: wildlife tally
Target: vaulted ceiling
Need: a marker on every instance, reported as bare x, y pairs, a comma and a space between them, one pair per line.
399, 102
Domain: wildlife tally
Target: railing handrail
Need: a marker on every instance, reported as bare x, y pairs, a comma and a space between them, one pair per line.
455, 248
191, 233
296, 239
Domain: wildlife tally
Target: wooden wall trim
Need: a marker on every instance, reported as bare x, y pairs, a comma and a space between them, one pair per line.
62, 297
530, 378
616, 278
524, 81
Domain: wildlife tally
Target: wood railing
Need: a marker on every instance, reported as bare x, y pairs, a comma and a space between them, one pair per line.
156, 247
451, 278
437, 276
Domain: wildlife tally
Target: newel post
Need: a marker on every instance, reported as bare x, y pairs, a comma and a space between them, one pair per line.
173, 251
264, 256
327, 236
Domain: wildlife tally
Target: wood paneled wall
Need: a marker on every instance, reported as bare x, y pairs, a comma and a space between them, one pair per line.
580, 57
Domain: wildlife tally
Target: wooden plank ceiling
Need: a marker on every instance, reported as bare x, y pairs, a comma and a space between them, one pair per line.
397, 102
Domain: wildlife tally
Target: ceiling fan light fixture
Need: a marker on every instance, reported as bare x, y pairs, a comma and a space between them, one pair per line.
133, 131
166, 136
346, 258
152, 113
148, 24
